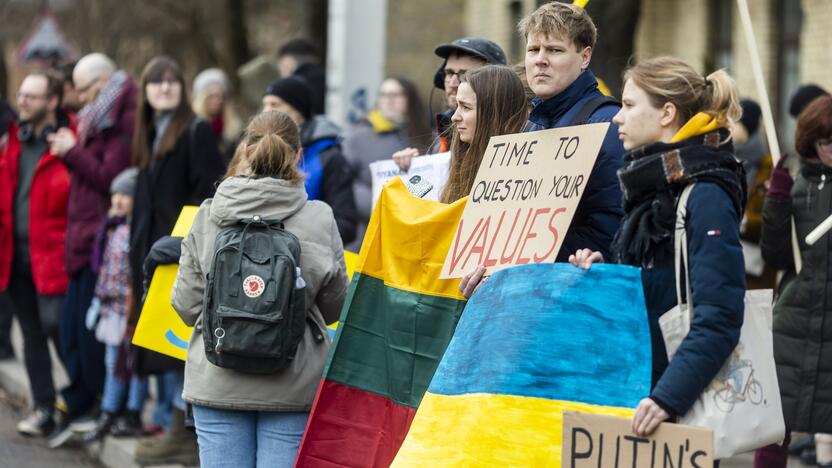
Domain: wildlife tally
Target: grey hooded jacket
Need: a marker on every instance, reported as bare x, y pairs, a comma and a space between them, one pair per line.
323, 270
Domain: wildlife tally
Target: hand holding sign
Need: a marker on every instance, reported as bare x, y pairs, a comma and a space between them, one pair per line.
591, 441
523, 199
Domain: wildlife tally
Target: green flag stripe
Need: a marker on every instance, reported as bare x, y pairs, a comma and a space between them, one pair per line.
390, 341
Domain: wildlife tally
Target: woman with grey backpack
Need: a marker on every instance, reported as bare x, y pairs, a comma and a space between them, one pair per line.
262, 271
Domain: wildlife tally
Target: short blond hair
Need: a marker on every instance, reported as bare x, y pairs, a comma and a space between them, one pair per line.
561, 20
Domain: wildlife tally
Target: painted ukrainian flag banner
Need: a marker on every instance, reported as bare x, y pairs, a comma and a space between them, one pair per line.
396, 323
535, 341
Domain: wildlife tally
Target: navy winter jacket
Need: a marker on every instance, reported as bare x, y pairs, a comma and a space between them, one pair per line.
717, 273
599, 211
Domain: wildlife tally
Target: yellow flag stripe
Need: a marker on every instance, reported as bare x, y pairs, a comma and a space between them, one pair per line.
407, 240
486, 430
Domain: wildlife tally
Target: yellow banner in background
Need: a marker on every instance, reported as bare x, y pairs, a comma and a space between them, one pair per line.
160, 329
185, 221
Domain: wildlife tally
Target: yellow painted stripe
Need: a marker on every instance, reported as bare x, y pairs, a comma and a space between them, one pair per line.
407, 240
485, 430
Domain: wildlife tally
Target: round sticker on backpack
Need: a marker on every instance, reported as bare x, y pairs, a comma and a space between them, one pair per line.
253, 286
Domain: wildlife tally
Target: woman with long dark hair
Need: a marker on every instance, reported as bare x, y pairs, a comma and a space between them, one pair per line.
399, 121
491, 101
179, 163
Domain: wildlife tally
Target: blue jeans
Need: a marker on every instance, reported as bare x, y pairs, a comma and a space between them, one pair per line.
248, 439
169, 387
115, 388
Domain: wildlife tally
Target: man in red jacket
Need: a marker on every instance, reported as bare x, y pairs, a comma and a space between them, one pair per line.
34, 189
99, 152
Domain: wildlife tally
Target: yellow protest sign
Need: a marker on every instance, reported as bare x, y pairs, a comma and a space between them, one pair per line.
185, 221
523, 199
160, 329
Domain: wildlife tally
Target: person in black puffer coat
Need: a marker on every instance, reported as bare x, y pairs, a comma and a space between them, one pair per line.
803, 313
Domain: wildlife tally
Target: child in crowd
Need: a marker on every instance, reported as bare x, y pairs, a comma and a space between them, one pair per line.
108, 314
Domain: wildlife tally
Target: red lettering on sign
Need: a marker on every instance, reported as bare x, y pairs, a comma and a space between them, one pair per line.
555, 236
456, 257
479, 247
508, 260
490, 262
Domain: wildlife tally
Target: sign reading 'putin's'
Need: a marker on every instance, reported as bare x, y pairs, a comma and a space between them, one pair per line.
524, 198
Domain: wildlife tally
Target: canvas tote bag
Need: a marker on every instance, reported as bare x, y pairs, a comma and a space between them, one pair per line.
742, 403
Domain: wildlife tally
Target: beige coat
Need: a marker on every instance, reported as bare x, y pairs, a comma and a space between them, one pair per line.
322, 266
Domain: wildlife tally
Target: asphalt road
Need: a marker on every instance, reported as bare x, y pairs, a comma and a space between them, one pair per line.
17, 451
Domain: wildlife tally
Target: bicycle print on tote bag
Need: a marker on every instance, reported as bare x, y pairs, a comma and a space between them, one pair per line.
742, 403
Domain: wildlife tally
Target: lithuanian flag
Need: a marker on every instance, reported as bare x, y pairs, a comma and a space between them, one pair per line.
396, 323
535, 341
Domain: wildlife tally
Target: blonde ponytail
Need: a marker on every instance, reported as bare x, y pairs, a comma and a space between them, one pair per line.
721, 99
669, 79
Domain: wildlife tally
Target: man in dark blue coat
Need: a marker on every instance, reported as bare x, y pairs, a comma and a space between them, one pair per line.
559, 42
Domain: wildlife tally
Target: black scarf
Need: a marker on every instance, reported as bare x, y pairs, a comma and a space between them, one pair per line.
652, 179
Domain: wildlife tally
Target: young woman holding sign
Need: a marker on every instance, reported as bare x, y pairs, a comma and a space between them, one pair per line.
674, 125
491, 101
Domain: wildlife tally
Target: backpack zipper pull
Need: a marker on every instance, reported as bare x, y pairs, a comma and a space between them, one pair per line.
219, 333
822, 181
299, 282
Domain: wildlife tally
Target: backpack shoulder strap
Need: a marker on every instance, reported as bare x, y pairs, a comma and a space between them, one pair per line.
591, 106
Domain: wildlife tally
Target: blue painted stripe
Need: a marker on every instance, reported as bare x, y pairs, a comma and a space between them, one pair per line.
553, 331
175, 340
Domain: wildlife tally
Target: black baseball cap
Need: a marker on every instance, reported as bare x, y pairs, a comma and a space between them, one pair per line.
476, 46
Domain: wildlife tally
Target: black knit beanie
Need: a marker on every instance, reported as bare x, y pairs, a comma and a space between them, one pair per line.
750, 116
803, 96
295, 92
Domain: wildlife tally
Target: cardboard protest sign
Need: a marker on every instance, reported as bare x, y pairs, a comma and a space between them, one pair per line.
592, 440
432, 171
523, 199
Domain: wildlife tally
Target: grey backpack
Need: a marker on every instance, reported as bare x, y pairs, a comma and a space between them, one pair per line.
254, 311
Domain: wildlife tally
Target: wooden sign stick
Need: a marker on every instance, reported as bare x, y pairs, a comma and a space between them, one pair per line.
765, 105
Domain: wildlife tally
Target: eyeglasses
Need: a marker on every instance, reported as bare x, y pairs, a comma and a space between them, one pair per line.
30, 97
458, 74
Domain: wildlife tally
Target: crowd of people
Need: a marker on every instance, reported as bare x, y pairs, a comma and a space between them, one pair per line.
96, 166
